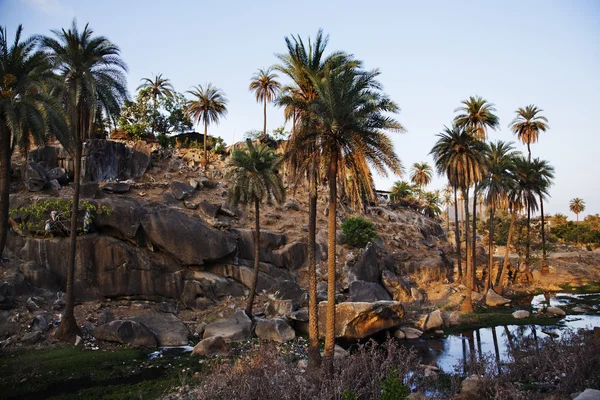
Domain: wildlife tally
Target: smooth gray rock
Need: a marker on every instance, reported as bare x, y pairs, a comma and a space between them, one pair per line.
361, 291
276, 329
126, 332
589, 394
181, 190
235, 328
31, 337
210, 347
493, 299
168, 329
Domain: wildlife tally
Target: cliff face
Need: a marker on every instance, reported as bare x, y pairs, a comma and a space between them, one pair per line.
169, 235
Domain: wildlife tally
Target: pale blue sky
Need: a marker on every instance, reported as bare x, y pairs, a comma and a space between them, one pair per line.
432, 55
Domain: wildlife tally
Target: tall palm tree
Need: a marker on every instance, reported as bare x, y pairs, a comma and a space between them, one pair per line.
302, 156
350, 108
207, 107
527, 125
497, 185
158, 87
477, 116
264, 83
447, 192
254, 179
421, 174
93, 79
459, 155
514, 206
577, 206
26, 109
543, 174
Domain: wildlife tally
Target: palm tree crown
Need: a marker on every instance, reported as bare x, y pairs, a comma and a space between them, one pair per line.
499, 182
421, 174
577, 206
527, 125
476, 115
265, 85
158, 87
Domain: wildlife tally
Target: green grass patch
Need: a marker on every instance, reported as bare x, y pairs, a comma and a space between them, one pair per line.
590, 287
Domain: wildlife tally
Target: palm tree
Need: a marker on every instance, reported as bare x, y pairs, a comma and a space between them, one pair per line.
421, 174
158, 87
207, 107
497, 185
477, 116
93, 79
527, 125
302, 156
350, 109
26, 110
459, 155
447, 192
514, 206
401, 190
254, 179
264, 83
577, 206
544, 174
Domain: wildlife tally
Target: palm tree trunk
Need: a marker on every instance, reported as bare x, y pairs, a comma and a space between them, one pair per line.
331, 261
528, 151
314, 355
488, 281
4, 186
474, 248
448, 217
68, 329
154, 117
467, 304
205, 144
256, 258
457, 233
467, 221
528, 244
577, 214
545, 269
265, 119
501, 277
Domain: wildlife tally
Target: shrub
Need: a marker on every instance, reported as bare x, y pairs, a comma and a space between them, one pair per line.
358, 232
392, 388
164, 141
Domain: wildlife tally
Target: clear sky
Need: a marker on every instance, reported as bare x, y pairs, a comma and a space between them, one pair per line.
432, 55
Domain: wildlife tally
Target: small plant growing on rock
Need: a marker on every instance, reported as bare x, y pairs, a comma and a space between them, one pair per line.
358, 232
392, 388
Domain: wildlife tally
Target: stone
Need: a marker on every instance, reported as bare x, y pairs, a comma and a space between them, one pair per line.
88, 328
589, 394
292, 256
493, 299
109, 161
209, 209
59, 174
432, 321
117, 187
276, 329
361, 291
78, 340
40, 323
520, 314
31, 337
200, 327
417, 295
291, 205
339, 353
418, 395
361, 320
366, 268
202, 289
194, 183
235, 328
556, 311
35, 177
189, 205
181, 190
208, 183
279, 308
289, 290
399, 334
211, 347
88, 190
126, 332
470, 388
578, 310
106, 316
53, 185
411, 333
397, 287
168, 329
269, 241
243, 275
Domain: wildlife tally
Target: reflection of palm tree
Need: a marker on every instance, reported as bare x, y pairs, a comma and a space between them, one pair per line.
496, 349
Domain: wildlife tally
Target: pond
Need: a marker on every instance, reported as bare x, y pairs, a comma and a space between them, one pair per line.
456, 349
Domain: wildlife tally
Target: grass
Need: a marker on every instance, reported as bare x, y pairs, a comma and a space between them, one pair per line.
70, 373
486, 319
590, 287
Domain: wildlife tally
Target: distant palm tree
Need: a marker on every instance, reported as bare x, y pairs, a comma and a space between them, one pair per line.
158, 87
401, 190
497, 185
421, 174
26, 109
93, 79
527, 125
207, 107
447, 192
477, 116
254, 179
350, 110
264, 83
577, 206
459, 156
559, 219
544, 174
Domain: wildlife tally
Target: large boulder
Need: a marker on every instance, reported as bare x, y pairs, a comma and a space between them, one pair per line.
288, 290
269, 241
588, 394
493, 299
35, 177
187, 239
181, 190
168, 329
366, 268
361, 320
106, 160
210, 347
203, 289
59, 174
235, 328
124, 218
431, 321
126, 332
556, 311
276, 329
243, 275
397, 287
292, 256
361, 291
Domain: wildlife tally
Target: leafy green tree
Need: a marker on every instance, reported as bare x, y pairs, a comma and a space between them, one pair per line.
421, 174
358, 232
254, 179
26, 109
528, 125
577, 206
158, 87
264, 83
175, 120
136, 116
207, 107
92, 73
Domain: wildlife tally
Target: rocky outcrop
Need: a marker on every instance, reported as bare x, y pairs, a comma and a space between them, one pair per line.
35, 177
398, 288
276, 329
431, 321
361, 291
168, 329
126, 332
269, 241
366, 268
106, 160
361, 320
235, 328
